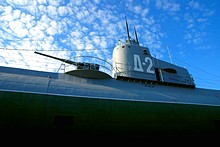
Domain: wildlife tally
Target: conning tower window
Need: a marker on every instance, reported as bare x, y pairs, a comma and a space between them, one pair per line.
145, 52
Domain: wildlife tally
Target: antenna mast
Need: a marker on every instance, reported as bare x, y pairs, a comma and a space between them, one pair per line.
169, 54
127, 30
136, 35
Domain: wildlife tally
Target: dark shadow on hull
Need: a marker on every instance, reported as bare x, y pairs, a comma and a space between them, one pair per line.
60, 136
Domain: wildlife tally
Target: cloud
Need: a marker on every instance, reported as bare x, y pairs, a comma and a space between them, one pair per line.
195, 5
52, 11
18, 29
168, 6
77, 2
81, 24
42, 1
7, 14
62, 11
79, 27
197, 19
54, 2
28, 20
18, 2
53, 28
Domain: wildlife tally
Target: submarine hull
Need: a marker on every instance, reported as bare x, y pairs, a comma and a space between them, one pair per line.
88, 116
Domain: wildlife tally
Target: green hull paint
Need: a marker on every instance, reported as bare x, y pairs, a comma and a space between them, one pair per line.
90, 115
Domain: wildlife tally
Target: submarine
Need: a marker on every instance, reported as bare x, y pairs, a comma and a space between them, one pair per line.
142, 96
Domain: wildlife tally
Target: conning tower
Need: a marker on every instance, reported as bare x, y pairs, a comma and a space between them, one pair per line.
134, 62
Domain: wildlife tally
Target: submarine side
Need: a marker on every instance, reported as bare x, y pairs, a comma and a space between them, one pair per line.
36, 102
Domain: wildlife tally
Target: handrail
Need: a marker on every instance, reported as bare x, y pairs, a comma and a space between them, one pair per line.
104, 65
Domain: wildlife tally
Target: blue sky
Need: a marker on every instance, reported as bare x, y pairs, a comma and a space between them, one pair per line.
189, 29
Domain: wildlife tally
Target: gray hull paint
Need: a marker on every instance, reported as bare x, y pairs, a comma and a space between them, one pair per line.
41, 100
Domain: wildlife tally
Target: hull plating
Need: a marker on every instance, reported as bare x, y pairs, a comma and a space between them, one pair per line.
28, 111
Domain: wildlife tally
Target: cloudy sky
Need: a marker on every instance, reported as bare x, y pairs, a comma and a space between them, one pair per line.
188, 29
